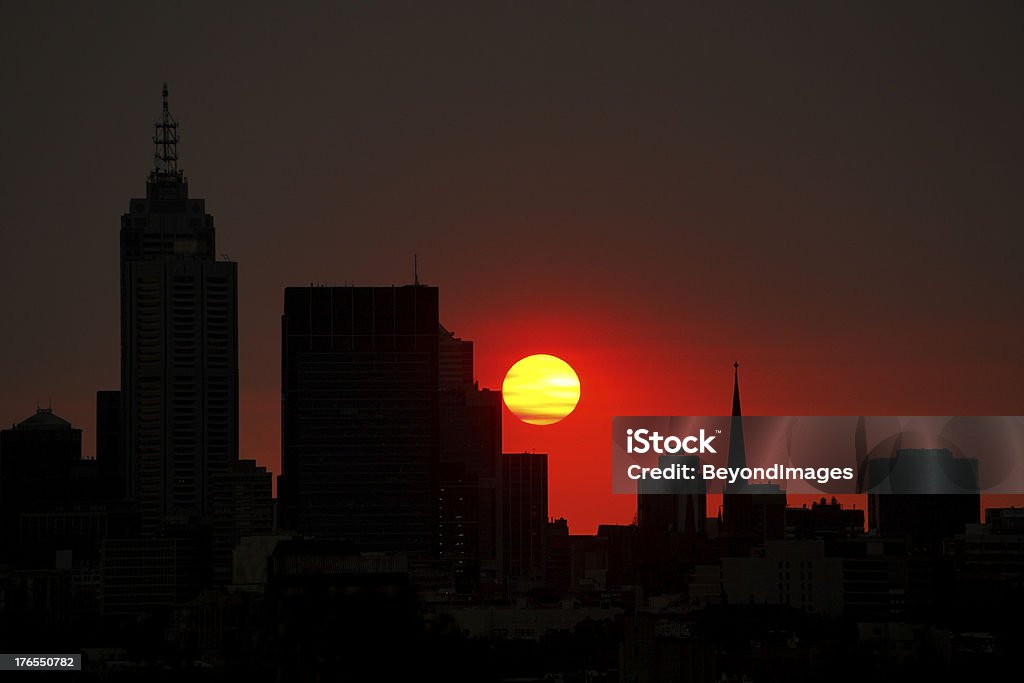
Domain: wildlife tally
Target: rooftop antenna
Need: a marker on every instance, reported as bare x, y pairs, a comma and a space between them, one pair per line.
165, 141
416, 269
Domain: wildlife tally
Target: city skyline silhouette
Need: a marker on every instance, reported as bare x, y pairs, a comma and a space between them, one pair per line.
559, 190
276, 449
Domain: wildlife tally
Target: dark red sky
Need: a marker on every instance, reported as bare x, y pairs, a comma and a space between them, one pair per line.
830, 195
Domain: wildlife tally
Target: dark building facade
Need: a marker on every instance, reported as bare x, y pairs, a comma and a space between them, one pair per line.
356, 614
469, 493
455, 361
242, 506
35, 453
359, 416
108, 442
558, 557
673, 505
525, 517
146, 575
469, 476
671, 524
179, 346
38, 459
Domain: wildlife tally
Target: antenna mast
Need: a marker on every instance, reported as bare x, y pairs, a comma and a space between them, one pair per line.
165, 141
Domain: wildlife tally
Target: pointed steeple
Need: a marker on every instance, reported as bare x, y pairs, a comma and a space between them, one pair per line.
736, 412
165, 142
737, 449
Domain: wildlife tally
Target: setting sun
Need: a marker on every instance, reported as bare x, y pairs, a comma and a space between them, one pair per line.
541, 389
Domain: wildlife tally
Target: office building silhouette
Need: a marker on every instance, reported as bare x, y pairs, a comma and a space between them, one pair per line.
469, 476
558, 557
38, 451
242, 506
673, 505
525, 518
359, 426
179, 346
37, 457
455, 361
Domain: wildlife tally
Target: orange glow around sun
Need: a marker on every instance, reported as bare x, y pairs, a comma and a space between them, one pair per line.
541, 389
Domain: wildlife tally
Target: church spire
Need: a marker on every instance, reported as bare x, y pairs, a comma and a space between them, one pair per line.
737, 448
736, 412
165, 142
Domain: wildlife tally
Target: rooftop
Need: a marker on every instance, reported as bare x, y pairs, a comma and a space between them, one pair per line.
43, 419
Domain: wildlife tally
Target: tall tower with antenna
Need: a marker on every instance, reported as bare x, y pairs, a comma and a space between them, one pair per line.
179, 346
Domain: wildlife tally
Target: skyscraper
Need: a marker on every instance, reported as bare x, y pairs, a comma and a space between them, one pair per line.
359, 416
179, 346
525, 517
469, 476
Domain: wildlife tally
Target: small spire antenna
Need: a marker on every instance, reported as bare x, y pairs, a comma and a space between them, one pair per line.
165, 143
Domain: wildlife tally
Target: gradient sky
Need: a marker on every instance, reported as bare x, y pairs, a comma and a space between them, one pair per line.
831, 195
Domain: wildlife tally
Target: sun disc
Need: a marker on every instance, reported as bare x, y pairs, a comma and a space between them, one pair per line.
541, 389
